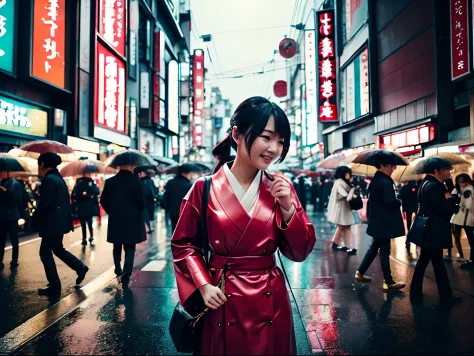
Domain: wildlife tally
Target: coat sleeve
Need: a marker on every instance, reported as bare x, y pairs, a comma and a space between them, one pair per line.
389, 198
13, 193
340, 191
105, 198
434, 196
189, 265
297, 236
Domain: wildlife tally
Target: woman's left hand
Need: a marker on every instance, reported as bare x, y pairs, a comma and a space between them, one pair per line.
281, 190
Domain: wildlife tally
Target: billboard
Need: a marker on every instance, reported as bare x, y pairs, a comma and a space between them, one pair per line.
23, 118
49, 41
356, 14
459, 25
173, 97
7, 35
112, 23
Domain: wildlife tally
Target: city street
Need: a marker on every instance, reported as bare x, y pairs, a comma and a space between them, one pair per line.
338, 315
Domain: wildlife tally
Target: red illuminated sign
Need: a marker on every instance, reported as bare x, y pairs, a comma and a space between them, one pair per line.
112, 23
159, 68
198, 104
110, 89
459, 39
327, 67
49, 41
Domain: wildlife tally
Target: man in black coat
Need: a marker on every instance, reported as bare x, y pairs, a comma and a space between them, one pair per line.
437, 204
52, 219
300, 187
175, 190
408, 194
149, 195
10, 201
122, 199
85, 199
385, 222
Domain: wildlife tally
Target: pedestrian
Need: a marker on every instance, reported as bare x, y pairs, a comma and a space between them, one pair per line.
122, 199
85, 199
437, 205
10, 203
409, 196
175, 190
250, 215
339, 210
385, 222
149, 196
464, 219
315, 192
52, 219
300, 187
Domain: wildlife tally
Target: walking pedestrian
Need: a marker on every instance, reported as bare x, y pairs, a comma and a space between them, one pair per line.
250, 215
301, 191
408, 195
122, 199
175, 190
385, 222
85, 199
438, 206
339, 211
52, 219
464, 219
10, 202
149, 195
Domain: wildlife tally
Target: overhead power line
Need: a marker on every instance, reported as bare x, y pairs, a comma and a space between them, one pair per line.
248, 29
254, 73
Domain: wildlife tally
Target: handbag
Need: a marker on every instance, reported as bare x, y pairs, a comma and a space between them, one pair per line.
356, 203
185, 329
418, 227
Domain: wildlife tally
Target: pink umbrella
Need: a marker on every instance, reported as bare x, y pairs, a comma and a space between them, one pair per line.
332, 161
82, 167
36, 148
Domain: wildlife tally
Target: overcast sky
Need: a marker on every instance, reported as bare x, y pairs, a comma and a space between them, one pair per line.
234, 49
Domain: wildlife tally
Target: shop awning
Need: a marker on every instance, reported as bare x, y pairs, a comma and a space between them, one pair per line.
410, 125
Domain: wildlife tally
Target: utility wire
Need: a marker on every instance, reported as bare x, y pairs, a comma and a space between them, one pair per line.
248, 29
253, 74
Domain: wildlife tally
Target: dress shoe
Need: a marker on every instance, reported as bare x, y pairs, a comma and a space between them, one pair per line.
338, 247
447, 258
91, 239
84, 242
125, 279
50, 289
361, 278
118, 272
14, 264
81, 275
351, 251
467, 265
393, 286
150, 232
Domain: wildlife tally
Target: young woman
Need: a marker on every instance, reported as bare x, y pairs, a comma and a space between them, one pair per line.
339, 211
250, 215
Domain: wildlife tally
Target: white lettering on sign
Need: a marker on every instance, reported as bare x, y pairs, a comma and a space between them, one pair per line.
111, 71
3, 25
108, 21
49, 43
13, 115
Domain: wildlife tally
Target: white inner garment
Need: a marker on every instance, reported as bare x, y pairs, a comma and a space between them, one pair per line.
247, 198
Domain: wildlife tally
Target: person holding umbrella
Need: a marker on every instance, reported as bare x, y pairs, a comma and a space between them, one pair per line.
85, 198
52, 219
149, 195
385, 220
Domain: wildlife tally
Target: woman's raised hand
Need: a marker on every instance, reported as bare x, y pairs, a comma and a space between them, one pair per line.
212, 296
281, 190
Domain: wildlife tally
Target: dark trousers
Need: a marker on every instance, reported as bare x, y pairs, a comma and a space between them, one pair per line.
147, 220
87, 221
384, 246
174, 222
54, 244
129, 257
10, 228
409, 215
457, 239
442, 280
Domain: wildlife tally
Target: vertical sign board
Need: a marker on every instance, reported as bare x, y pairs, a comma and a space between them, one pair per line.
7, 35
110, 89
133, 39
198, 104
327, 67
159, 68
173, 97
49, 41
459, 25
112, 23
311, 87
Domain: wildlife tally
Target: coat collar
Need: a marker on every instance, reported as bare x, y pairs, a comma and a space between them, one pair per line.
430, 178
382, 175
52, 172
124, 172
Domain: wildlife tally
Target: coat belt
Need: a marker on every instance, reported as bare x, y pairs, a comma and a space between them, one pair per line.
245, 263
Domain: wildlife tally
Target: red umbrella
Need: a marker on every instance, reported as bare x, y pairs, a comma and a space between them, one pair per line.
332, 161
36, 148
82, 167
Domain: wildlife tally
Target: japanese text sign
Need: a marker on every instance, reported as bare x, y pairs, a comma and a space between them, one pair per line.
19, 117
112, 23
7, 34
311, 87
49, 42
110, 89
459, 38
198, 103
327, 66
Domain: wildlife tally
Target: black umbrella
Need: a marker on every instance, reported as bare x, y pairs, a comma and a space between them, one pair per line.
10, 163
187, 167
376, 157
130, 157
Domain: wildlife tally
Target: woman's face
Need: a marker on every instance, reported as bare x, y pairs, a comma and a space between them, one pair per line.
347, 176
463, 184
266, 148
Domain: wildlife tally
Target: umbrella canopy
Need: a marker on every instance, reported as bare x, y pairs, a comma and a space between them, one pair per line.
359, 169
10, 163
130, 157
188, 167
458, 163
332, 161
407, 173
79, 168
376, 157
36, 148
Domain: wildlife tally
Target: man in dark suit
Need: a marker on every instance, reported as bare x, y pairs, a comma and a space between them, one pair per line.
437, 204
385, 222
408, 195
10, 201
149, 195
52, 219
175, 190
122, 199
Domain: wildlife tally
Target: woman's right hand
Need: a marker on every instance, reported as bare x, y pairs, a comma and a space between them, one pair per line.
212, 296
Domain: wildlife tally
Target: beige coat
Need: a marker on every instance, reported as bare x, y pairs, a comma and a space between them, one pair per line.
339, 211
465, 216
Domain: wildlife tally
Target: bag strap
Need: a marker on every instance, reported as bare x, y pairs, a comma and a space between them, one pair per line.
420, 198
205, 202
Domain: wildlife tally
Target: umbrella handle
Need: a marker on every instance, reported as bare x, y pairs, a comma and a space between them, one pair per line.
401, 175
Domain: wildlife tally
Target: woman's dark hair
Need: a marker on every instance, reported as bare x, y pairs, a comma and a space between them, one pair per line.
251, 117
462, 178
341, 172
50, 160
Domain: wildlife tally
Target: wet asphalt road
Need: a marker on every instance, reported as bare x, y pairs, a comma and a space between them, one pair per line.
338, 315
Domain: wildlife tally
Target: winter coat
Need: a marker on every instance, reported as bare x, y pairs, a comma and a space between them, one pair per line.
438, 209
175, 190
465, 216
384, 215
122, 199
339, 211
10, 200
149, 195
85, 198
53, 216
409, 197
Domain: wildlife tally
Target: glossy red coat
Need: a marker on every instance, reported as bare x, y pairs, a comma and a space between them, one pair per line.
257, 318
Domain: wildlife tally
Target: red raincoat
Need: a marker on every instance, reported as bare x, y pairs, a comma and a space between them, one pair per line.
257, 317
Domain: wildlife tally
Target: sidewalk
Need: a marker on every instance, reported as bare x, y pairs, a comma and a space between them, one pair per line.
339, 316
